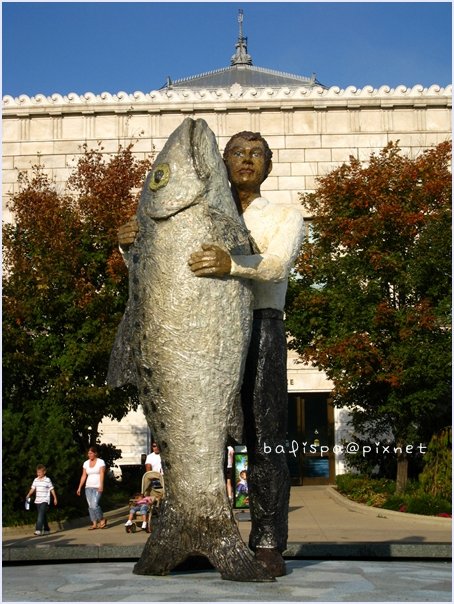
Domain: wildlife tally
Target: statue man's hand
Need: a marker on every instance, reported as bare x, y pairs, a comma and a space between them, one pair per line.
210, 261
128, 232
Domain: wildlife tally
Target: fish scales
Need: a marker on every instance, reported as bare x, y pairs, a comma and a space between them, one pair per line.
187, 338
195, 368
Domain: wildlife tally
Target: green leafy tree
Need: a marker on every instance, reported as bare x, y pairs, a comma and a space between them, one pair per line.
370, 302
64, 292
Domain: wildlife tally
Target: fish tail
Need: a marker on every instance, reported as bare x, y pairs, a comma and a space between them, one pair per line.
159, 558
164, 549
174, 540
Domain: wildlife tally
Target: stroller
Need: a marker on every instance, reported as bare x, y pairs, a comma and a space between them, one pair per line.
152, 487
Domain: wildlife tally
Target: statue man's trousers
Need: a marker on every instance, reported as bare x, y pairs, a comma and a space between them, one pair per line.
265, 403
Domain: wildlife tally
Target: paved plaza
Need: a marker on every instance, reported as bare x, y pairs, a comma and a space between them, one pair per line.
306, 581
338, 551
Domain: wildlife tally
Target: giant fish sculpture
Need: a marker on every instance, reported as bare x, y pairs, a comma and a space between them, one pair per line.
184, 339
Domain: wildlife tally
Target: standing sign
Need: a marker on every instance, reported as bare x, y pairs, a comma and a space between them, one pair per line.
240, 489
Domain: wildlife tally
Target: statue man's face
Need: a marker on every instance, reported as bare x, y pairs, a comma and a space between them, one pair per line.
246, 164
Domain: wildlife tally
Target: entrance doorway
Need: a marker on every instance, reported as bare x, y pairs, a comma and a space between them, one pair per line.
311, 425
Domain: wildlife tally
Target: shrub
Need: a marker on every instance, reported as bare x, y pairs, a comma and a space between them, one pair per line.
382, 493
362, 489
436, 477
419, 503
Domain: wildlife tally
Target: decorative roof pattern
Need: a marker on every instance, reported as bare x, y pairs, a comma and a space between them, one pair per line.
384, 93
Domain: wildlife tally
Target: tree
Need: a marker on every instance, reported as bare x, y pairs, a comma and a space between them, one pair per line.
370, 302
64, 292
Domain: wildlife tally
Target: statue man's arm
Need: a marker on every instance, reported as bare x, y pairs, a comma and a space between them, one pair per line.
286, 233
273, 264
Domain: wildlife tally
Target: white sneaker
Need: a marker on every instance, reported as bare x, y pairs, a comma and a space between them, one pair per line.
128, 523
46, 532
37, 533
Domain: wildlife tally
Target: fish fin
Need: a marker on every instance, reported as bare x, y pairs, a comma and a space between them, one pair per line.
159, 557
122, 369
231, 231
167, 546
254, 247
173, 541
235, 421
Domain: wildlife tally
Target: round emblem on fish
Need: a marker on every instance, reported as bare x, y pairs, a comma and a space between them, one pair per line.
159, 177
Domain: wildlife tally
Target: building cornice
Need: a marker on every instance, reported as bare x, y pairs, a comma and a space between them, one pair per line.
235, 97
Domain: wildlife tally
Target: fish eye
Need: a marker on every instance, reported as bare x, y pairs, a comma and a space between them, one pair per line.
159, 177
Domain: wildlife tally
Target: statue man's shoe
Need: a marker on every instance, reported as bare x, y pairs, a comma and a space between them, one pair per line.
272, 559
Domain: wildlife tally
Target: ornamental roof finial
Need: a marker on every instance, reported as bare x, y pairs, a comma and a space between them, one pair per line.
241, 56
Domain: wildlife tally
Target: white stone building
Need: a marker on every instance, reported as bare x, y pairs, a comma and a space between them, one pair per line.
311, 129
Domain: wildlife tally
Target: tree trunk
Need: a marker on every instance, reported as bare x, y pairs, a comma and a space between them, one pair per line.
402, 472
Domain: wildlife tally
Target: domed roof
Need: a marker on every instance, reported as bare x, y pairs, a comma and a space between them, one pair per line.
243, 72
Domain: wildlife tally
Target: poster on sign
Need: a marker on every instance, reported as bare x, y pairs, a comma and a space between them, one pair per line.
241, 492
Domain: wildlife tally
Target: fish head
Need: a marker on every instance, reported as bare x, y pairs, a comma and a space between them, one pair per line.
188, 170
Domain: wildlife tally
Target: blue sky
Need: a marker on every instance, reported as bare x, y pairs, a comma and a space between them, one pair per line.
117, 46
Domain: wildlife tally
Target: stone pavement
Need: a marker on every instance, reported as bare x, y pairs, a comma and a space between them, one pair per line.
322, 524
338, 551
306, 581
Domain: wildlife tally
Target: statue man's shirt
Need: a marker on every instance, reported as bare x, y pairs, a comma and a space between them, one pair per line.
278, 231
